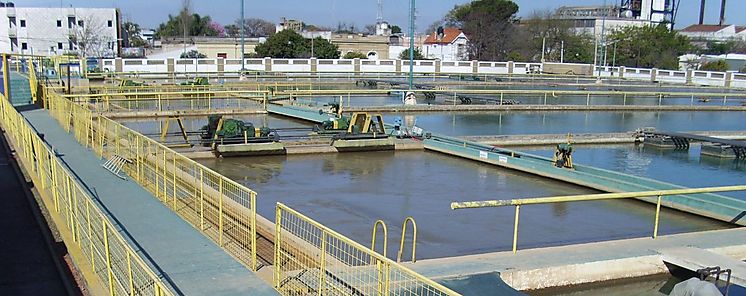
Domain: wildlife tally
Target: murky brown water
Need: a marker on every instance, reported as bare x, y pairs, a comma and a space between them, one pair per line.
350, 191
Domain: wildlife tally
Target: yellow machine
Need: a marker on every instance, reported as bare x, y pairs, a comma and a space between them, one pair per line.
366, 132
363, 123
182, 133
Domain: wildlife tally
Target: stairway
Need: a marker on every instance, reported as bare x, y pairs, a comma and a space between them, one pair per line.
20, 90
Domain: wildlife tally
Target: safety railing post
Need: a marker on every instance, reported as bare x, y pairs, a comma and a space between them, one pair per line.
130, 275
253, 230
90, 234
163, 177
220, 212
278, 247
201, 200
515, 229
173, 173
322, 264
657, 217
108, 258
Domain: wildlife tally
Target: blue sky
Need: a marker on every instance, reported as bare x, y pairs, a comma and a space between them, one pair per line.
150, 13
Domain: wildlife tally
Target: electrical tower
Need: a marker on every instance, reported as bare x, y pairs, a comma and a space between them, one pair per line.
379, 17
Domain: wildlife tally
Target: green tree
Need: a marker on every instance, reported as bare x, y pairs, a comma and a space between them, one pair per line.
232, 30
649, 47
355, 55
255, 27
743, 70
718, 48
404, 55
323, 49
289, 44
196, 26
719, 66
395, 29
489, 25
543, 31
192, 54
132, 33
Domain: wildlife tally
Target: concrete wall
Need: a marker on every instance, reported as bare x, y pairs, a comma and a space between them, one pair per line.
706, 78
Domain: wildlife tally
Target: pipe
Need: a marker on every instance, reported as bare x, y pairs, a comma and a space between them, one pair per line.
722, 12
702, 12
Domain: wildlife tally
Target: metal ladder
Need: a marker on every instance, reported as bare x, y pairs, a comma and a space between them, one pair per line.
115, 164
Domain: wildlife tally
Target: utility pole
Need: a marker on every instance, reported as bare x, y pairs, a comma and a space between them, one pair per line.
603, 36
243, 41
562, 52
543, 48
411, 44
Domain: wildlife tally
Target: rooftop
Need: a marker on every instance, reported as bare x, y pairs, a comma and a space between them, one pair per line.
449, 35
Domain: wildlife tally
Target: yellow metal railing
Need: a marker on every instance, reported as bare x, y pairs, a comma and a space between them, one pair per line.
33, 83
220, 208
590, 197
407, 221
385, 237
172, 100
105, 258
313, 259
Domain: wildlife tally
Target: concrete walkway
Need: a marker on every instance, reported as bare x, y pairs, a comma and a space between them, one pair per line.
584, 263
186, 259
28, 264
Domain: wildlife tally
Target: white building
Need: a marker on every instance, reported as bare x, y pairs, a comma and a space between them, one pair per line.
597, 20
719, 33
450, 46
52, 31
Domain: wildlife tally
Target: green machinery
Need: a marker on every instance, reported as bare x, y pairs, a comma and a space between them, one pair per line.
365, 132
563, 154
333, 125
362, 131
232, 137
130, 83
198, 81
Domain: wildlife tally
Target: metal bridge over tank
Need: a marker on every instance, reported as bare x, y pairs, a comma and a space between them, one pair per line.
712, 146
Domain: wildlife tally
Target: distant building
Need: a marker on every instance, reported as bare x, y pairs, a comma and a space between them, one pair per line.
718, 33
212, 47
595, 20
374, 47
48, 31
287, 24
148, 35
383, 29
451, 45
735, 62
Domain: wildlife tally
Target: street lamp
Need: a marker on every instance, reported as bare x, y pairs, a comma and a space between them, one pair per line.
243, 42
411, 44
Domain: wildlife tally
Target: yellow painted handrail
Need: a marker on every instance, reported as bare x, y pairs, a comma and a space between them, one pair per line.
341, 256
590, 197
86, 231
385, 237
414, 240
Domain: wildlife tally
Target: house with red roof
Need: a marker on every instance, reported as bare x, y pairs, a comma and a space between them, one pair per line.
446, 44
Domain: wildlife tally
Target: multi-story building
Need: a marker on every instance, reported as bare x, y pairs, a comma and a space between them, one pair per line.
93, 32
597, 20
